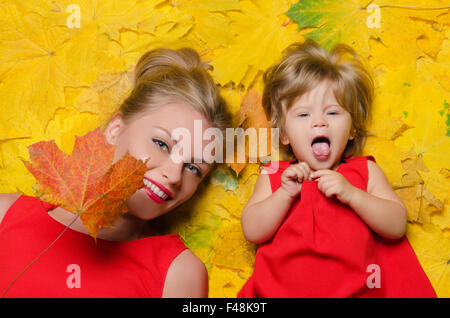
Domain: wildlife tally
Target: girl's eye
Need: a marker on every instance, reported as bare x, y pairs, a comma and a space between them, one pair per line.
161, 144
332, 113
303, 115
194, 169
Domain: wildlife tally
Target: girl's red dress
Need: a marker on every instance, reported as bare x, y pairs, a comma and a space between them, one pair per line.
103, 268
324, 249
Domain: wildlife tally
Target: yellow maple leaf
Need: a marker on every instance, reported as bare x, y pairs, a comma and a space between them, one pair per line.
433, 251
232, 249
247, 180
439, 67
211, 28
225, 283
251, 117
381, 145
442, 220
430, 42
13, 174
103, 97
67, 124
106, 17
428, 137
263, 32
232, 262
32, 50
437, 200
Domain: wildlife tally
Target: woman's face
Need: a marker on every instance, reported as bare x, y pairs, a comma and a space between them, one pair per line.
318, 128
168, 182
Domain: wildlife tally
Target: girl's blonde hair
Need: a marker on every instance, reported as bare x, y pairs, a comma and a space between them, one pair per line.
306, 65
163, 75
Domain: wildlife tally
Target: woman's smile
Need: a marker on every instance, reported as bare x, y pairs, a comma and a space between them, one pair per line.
156, 191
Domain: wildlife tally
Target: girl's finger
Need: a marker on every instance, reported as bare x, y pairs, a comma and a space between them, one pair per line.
300, 173
291, 173
306, 172
319, 173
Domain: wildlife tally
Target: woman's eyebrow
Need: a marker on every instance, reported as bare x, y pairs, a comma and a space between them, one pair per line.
198, 160
166, 132
193, 160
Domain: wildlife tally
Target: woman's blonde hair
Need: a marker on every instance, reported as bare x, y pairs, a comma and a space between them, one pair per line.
306, 65
163, 75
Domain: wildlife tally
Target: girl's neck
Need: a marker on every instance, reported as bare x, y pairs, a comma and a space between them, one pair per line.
127, 228
334, 167
337, 164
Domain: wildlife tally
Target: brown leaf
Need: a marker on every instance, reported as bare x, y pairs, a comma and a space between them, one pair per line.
252, 115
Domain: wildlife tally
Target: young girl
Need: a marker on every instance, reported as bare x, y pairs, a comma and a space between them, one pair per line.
172, 89
328, 223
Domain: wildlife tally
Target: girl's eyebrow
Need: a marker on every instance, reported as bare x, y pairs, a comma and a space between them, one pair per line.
332, 105
297, 107
303, 105
311, 106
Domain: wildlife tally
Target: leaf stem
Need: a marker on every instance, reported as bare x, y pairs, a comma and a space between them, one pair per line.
42, 253
408, 7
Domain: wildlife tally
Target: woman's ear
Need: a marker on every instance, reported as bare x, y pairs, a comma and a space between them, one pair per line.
114, 129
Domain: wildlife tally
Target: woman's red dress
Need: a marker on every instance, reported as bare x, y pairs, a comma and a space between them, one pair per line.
76, 265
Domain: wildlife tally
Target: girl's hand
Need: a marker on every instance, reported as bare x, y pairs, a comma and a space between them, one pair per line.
334, 183
292, 178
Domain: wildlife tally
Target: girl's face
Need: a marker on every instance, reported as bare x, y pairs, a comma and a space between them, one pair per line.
168, 182
318, 128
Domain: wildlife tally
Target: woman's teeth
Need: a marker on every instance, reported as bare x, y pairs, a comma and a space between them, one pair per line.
155, 190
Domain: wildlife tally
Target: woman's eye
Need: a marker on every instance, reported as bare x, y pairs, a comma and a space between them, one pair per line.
333, 113
303, 115
161, 144
194, 170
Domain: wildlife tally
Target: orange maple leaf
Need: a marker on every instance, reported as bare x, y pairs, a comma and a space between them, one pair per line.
252, 115
86, 183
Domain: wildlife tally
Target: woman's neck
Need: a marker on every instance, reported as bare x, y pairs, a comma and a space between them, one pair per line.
127, 228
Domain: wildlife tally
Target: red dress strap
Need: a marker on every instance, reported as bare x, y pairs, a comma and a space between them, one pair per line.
274, 170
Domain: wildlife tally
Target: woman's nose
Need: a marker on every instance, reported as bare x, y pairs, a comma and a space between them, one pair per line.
172, 172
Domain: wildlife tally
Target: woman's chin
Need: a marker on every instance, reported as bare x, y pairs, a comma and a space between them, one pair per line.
142, 206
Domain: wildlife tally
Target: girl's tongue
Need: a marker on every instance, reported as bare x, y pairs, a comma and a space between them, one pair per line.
321, 150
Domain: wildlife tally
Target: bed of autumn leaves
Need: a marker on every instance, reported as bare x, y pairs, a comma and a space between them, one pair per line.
58, 81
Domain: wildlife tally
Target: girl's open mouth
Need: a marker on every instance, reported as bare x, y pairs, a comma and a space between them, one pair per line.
321, 147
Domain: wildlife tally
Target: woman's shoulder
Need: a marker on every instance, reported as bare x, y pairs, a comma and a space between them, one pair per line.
186, 277
182, 272
6, 200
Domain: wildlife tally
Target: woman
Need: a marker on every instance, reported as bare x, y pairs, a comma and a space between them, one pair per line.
172, 89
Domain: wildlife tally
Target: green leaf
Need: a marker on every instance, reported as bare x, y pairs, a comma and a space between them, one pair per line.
333, 21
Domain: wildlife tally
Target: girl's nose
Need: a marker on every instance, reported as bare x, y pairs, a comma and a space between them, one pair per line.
319, 121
